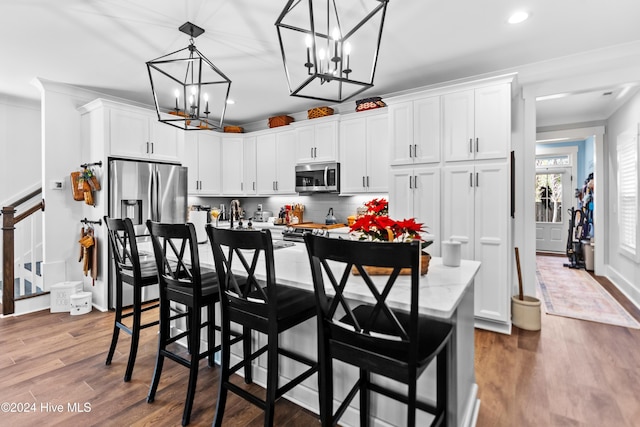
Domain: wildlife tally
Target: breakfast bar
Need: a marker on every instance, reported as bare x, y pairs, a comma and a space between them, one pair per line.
446, 293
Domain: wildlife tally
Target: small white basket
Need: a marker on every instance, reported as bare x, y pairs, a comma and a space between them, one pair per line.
80, 303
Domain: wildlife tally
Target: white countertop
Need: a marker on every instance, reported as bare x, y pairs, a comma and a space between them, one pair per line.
441, 289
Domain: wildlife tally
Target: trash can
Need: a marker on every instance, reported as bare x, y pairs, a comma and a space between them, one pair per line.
61, 296
588, 252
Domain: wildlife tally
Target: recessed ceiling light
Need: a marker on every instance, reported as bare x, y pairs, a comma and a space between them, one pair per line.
518, 17
230, 101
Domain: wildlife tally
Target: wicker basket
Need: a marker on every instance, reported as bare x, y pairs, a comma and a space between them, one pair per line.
314, 113
369, 103
233, 129
383, 271
277, 121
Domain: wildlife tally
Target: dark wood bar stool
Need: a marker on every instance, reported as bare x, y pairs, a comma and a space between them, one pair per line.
130, 270
183, 281
261, 305
372, 336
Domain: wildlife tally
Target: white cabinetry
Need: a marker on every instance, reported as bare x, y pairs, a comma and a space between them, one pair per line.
137, 133
414, 129
249, 178
232, 165
276, 154
415, 193
364, 153
318, 140
202, 157
476, 213
477, 123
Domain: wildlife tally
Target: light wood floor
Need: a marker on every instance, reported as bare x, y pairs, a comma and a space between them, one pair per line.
571, 373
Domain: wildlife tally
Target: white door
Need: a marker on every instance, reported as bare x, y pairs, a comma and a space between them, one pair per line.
553, 199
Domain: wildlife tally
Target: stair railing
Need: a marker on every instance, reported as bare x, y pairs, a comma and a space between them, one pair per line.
9, 220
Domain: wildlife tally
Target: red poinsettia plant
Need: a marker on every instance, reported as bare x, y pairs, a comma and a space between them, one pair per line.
376, 225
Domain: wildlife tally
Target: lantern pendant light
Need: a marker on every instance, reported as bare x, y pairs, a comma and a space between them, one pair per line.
185, 83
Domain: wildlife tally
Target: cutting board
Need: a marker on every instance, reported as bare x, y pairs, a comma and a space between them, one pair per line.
317, 225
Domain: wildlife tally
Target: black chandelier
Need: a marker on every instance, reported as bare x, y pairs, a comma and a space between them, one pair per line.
330, 47
185, 84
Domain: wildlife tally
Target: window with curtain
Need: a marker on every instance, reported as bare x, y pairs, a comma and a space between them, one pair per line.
627, 147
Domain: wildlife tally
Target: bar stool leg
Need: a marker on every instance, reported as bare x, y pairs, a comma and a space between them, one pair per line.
246, 352
162, 345
194, 333
272, 378
135, 331
365, 377
225, 360
116, 323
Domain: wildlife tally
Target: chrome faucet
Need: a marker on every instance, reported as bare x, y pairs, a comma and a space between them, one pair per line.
234, 211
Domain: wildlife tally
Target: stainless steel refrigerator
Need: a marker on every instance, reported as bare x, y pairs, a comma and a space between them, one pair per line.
144, 190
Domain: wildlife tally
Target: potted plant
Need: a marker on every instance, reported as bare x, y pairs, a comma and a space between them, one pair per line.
376, 225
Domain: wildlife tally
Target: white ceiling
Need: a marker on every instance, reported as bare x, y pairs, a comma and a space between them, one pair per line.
103, 45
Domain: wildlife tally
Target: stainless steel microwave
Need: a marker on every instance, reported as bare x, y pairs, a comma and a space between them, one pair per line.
318, 178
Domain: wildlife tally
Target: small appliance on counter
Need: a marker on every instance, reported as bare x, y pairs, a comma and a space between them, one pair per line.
261, 216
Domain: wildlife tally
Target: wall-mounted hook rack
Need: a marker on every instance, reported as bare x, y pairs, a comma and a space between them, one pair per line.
86, 165
88, 221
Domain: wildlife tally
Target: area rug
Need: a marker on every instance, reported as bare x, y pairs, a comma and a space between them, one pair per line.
574, 293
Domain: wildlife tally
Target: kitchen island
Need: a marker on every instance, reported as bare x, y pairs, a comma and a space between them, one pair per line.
446, 293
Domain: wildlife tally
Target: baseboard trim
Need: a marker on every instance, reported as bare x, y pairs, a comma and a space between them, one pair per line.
623, 285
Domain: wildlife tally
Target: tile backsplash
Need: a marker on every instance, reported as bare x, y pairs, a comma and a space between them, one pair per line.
316, 206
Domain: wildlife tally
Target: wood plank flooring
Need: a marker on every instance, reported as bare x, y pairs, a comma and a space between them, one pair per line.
571, 373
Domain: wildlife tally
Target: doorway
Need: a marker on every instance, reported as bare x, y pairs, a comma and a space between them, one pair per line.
553, 187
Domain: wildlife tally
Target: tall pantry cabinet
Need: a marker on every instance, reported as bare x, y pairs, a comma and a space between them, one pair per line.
450, 153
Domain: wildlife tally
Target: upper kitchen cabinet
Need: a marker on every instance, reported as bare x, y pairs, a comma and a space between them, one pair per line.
276, 154
202, 156
138, 133
232, 165
364, 158
414, 128
477, 123
131, 132
317, 140
249, 177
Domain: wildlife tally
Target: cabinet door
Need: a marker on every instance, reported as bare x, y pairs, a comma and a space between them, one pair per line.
285, 162
164, 141
306, 144
209, 164
190, 160
377, 154
491, 214
401, 133
249, 181
458, 207
129, 133
458, 122
426, 203
326, 141
353, 160
232, 166
492, 122
426, 130
266, 164
401, 182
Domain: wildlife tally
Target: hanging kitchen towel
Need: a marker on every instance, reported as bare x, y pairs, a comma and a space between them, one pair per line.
76, 186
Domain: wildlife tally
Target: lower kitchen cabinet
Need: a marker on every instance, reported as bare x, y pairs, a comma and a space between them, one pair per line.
276, 159
364, 153
202, 157
415, 193
476, 213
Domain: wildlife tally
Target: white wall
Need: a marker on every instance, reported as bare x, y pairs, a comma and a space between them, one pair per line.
20, 142
624, 272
